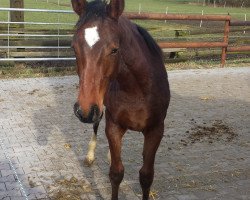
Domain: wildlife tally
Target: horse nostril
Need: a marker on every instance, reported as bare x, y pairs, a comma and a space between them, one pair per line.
77, 110
93, 115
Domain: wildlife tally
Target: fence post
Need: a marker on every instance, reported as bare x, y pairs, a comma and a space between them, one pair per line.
58, 31
17, 16
245, 21
58, 37
8, 34
225, 39
202, 13
166, 13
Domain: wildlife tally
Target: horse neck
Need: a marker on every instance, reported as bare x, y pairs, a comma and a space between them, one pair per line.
135, 69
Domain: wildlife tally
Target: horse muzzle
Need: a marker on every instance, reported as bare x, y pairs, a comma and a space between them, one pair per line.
93, 116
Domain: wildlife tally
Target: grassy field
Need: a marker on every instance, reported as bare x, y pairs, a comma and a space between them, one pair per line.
146, 6
158, 29
23, 70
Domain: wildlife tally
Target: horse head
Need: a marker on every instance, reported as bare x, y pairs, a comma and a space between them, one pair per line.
96, 43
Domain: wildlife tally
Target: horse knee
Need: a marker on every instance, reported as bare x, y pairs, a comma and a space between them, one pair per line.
146, 178
116, 175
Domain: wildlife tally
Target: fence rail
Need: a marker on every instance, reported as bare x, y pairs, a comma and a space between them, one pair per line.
159, 16
36, 10
192, 44
224, 45
240, 23
238, 49
142, 16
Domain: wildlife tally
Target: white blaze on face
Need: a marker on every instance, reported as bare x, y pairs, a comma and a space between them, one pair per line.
91, 36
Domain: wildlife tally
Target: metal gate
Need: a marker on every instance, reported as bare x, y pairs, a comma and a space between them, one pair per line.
17, 44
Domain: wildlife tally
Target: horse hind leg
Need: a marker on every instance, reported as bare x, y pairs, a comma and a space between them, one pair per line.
152, 141
90, 157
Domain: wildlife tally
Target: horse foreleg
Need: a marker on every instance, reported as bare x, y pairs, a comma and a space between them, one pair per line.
152, 139
114, 134
90, 157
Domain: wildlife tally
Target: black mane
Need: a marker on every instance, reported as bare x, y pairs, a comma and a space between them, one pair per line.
94, 9
151, 43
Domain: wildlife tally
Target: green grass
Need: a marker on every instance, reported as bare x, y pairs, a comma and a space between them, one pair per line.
157, 28
178, 7
22, 71
133, 5
8, 71
43, 17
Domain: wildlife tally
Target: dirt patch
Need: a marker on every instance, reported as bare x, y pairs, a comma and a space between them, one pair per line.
72, 189
32, 184
33, 92
218, 131
77, 86
59, 89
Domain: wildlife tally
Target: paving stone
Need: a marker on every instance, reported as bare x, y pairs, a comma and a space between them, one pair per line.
2, 187
10, 193
12, 185
18, 198
5, 198
36, 190
46, 143
8, 178
5, 166
30, 169
186, 197
11, 172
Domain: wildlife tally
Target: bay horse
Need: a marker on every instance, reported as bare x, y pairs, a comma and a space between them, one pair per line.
120, 67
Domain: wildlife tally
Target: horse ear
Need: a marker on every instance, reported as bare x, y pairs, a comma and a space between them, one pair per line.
115, 8
78, 6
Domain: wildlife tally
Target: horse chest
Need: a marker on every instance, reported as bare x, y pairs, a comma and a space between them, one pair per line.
134, 120
133, 113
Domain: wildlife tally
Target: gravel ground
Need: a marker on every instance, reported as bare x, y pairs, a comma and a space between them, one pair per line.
204, 154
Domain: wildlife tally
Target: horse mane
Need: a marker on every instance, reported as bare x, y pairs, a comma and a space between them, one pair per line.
94, 9
151, 43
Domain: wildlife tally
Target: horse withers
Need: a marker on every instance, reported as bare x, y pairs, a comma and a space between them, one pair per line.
120, 67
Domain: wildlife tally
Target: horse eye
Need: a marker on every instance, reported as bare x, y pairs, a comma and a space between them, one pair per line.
114, 51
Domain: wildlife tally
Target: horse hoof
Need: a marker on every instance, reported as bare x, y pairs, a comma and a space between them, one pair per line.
88, 161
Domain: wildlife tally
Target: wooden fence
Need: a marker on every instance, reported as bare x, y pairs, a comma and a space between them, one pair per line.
224, 44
